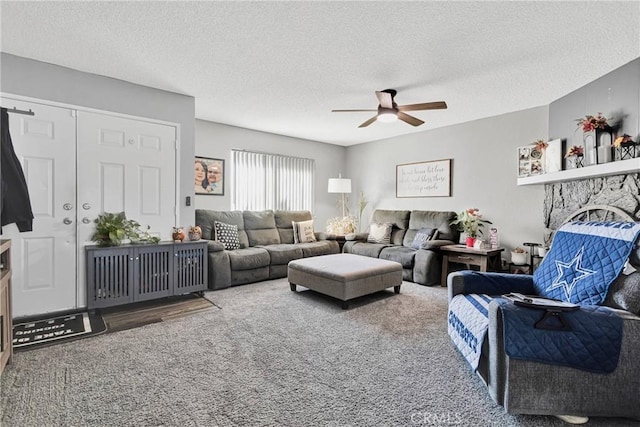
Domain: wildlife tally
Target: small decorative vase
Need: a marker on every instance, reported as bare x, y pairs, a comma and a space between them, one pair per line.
519, 258
470, 241
178, 234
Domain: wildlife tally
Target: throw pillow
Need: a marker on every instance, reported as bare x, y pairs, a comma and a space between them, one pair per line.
303, 231
624, 293
379, 233
227, 234
423, 236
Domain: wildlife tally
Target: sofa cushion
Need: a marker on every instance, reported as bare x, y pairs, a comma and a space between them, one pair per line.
624, 293
284, 220
249, 259
206, 220
431, 219
422, 237
261, 228
398, 219
227, 234
303, 231
401, 254
379, 233
283, 253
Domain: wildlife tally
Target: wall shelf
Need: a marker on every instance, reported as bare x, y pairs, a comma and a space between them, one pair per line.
612, 168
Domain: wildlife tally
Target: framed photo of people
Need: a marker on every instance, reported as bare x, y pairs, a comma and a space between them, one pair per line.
209, 176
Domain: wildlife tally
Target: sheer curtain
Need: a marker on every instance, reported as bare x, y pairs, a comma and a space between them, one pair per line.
271, 181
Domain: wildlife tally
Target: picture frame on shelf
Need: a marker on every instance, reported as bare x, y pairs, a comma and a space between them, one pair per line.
209, 176
553, 156
531, 161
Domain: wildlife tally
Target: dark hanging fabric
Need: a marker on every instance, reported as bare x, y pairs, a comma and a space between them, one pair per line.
15, 203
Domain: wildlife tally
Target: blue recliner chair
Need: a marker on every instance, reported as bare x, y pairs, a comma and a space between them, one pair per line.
547, 361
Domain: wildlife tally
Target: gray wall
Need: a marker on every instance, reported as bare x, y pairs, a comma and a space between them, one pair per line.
483, 172
26, 77
616, 95
216, 140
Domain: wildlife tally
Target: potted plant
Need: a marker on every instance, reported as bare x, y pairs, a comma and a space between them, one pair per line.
519, 256
471, 223
113, 228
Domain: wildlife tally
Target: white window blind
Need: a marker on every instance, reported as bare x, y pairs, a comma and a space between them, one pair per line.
270, 181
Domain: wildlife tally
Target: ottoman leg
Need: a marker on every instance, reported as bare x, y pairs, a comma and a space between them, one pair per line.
292, 286
396, 289
345, 305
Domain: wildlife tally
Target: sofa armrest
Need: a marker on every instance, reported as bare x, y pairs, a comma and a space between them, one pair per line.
214, 246
357, 236
322, 235
475, 282
434, 244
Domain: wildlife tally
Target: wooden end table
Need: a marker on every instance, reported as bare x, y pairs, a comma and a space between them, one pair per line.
486, 259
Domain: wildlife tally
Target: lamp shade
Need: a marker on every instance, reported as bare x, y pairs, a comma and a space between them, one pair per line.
339, 185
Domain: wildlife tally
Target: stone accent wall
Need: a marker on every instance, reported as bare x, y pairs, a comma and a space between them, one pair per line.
562, 199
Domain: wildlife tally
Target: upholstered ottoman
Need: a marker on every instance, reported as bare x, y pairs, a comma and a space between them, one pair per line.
345, 276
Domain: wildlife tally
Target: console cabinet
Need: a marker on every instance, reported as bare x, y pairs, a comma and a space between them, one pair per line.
131, 273
6, 323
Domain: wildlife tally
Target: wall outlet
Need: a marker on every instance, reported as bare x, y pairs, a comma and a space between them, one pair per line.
188, 201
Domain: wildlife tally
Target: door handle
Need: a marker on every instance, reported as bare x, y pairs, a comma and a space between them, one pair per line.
86, 206
86, 220
67, 206
67, 221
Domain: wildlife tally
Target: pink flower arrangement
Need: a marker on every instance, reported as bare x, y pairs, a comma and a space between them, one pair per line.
590, 123
574, 150
624, 141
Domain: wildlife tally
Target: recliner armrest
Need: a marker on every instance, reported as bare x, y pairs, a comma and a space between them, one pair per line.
475, 282
357, 236
434, 244
214, 246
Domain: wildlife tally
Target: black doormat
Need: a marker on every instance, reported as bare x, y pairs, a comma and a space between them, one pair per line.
40, 333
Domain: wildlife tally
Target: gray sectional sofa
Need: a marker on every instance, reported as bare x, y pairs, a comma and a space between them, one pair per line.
266, 245
422, 266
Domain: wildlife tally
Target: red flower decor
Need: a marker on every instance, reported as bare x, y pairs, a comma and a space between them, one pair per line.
574, 150
590, 123
541, 145
624, 140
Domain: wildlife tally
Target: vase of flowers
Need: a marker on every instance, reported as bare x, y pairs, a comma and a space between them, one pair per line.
471, 223
596, 137
574, 157
625, 147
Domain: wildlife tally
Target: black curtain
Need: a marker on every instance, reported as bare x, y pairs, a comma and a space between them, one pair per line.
15, 205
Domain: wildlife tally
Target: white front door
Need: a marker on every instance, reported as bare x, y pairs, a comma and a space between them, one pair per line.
124, 165
44, 260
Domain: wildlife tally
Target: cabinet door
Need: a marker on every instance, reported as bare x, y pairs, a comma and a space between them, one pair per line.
153, 272
190, 271
109, 276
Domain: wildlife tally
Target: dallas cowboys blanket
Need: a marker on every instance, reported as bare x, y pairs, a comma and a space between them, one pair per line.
585, 258
468, 322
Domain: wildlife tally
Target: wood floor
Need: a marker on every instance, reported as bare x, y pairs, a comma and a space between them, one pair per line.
135, 315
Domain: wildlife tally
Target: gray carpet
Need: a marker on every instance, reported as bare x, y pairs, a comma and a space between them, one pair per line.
266, 357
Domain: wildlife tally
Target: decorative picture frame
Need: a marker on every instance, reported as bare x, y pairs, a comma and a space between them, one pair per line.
531, 161
209, 176
424, 179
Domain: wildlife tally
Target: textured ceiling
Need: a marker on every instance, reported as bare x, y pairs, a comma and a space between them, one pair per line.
281, 67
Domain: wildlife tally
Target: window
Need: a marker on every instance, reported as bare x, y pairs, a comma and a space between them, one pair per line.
271, 181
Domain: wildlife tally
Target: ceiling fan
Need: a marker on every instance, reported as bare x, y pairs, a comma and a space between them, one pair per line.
389, 111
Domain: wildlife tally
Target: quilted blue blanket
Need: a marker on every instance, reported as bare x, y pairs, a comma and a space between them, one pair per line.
592, 344
585, 258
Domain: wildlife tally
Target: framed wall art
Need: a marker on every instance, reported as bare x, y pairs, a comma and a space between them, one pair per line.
424, 179
530, 161
209, 176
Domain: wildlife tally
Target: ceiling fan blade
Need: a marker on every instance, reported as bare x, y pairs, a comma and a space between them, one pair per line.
409, 119
440, 105
385, 99
350, 111
368, 122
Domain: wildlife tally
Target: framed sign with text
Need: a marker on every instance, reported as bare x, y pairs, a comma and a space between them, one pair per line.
424, 179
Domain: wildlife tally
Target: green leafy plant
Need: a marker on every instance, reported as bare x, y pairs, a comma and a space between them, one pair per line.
113, 228
470, 222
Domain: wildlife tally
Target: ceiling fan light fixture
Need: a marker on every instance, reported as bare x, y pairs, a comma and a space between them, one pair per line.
387, 116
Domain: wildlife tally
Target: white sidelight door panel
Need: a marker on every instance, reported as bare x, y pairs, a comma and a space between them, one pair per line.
124, 165
44, 260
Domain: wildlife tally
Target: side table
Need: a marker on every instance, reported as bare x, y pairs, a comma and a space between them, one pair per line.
341, 241
486, 259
